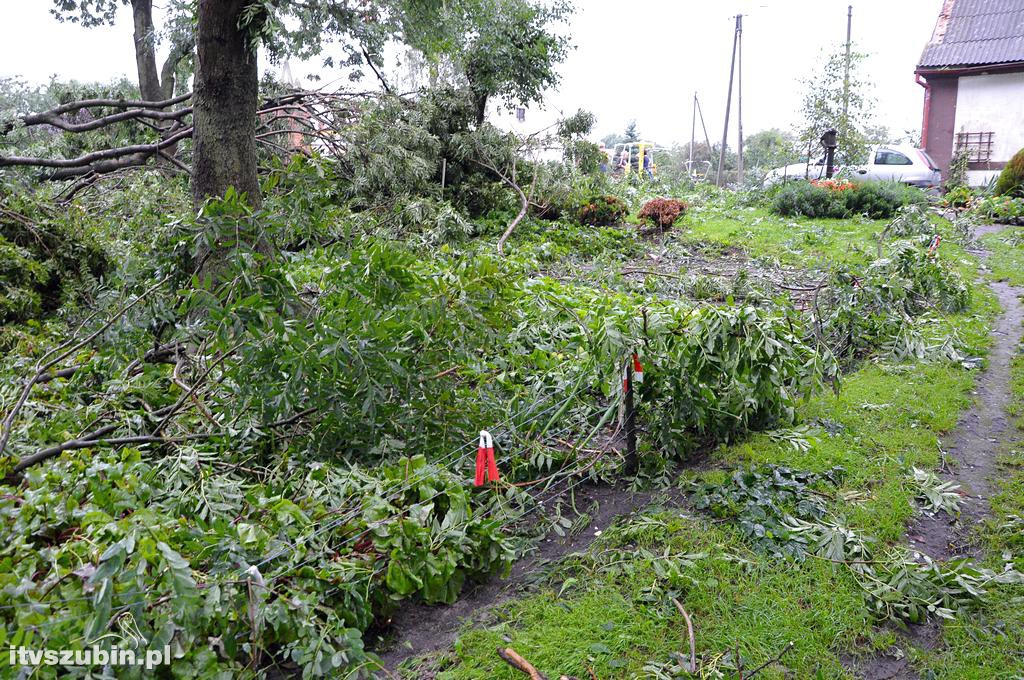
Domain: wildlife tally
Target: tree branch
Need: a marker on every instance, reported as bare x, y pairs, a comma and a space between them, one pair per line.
43, 369
47, 117
89, 158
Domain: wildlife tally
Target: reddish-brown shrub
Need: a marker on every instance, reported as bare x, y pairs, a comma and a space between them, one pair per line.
663, 212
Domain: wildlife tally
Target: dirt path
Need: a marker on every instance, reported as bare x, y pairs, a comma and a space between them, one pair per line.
972, 450
420, 628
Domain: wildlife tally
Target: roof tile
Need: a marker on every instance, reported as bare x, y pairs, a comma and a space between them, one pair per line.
976, 33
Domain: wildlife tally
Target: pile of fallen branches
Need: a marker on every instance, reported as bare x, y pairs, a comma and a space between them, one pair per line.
295, 122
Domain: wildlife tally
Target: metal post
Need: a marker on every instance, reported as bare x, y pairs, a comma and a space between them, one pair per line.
632, 461
728, 102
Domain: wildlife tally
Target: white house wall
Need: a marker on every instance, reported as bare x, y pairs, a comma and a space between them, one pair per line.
993, 103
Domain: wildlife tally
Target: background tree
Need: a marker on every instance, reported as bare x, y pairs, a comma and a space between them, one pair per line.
823, 106
631, 135
504, 49
769, 149
154, 84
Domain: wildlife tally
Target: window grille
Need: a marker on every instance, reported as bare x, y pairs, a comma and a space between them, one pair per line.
977, 144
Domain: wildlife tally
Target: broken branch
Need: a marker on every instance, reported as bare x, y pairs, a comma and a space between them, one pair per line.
689, 630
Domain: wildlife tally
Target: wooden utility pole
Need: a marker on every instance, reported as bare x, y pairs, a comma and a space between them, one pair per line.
728, 100
739, 102
693, 132
846, 75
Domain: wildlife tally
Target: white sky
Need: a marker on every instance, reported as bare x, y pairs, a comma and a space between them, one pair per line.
641, 59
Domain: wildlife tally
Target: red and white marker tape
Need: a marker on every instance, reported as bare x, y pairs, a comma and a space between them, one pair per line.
935, 244
486, 466
638, 369
638, 372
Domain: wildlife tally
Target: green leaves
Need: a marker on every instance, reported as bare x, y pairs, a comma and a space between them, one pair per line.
935, 495
723, 371
181, 573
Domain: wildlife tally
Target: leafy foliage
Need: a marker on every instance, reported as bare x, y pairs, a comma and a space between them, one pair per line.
44, 261
602, 211
765, 500
1002, 209
727, 371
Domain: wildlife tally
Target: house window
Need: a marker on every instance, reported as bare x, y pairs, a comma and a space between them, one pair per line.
977, 144
887, 157
521, 114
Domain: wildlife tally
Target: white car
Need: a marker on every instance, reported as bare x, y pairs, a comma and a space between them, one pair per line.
893, 162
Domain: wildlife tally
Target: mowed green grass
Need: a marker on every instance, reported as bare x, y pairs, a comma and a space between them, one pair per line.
1006, 262
789, 240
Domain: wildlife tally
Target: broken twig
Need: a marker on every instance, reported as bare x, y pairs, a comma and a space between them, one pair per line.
689, 631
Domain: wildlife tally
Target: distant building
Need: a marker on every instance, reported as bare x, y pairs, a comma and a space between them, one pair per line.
972, 70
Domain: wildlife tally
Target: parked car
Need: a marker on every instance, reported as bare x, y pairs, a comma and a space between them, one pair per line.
894, 162
804, 170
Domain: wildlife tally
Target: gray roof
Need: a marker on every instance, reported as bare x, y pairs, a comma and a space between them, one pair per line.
976, 33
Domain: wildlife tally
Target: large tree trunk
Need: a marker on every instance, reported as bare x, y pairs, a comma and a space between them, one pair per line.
224, 100
145, 50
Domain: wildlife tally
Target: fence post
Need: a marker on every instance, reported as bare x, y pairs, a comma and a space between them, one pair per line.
632, 462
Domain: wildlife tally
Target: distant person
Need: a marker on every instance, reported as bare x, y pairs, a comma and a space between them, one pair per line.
649, 164
603, 164
623, 165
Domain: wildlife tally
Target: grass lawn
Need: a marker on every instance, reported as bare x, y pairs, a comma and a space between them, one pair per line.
1007, 260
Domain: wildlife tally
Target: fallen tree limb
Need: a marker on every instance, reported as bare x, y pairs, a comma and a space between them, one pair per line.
47, 117
103, 121
44, 368
651, 272
689, 631
76, 444
95, 156
509, 656
100, 437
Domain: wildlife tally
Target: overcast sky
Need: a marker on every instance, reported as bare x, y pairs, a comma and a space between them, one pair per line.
641, 59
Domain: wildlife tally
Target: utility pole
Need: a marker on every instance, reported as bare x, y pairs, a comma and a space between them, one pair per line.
739, 103
846, 75
693, 132
728, 100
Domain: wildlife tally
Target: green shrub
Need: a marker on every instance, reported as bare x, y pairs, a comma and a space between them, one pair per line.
1011, 179
803, 199
958, 197
1002, 209
881, 200
603, 211
724, 371
877, 200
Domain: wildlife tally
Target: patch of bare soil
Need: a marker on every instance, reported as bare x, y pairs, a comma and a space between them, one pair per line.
970, 460
419, 628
